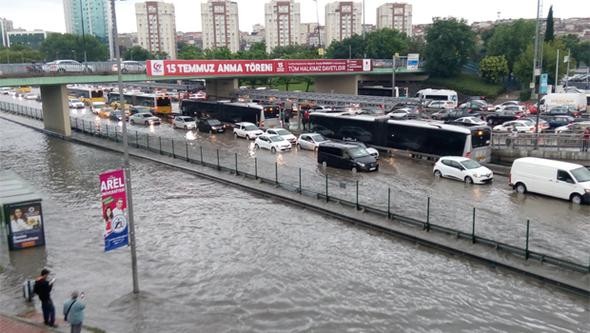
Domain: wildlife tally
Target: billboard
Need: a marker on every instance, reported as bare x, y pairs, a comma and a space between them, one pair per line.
543, 83
203, 68
413, 60
114, 209
25, 224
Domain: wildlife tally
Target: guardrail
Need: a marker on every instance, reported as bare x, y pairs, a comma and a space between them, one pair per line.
346, 191
544, 141
328, 98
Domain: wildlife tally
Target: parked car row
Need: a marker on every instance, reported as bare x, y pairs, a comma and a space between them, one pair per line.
73, 66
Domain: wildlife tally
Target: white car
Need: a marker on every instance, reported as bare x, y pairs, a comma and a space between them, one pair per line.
97, 106
463, 169
440, 105
184, 122
471, 121
62, 66
520, 126
130, 66
247, 130
310, 141
509, 103
573, 128
31, 96
75, 104
144, 118
273, 143
282, 133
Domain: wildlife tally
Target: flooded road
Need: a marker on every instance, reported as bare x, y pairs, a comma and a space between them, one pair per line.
216, 259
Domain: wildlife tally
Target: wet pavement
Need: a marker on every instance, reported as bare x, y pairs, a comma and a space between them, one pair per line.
215, 259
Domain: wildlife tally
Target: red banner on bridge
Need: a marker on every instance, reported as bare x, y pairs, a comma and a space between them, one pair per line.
204, 68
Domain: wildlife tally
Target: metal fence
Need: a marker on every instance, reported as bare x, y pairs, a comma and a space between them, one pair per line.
392, 203
542, 141
35, 69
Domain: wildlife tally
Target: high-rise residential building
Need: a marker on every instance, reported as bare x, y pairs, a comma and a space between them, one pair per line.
220, 24
90, 17
282, 23
156, 27
308, 34
5, 27
343, 20
396, 16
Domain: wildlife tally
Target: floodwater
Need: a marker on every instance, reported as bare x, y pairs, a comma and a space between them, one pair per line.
215, 259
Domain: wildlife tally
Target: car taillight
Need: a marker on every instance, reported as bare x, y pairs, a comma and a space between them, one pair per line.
468, 154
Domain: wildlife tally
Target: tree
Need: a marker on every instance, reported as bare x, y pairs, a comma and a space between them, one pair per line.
68, 46
186, 51
549, 34
449, 44
511, 40
493, 68
382, 44
137, 53
256, 51
19, 54
523, 68
218, 53
352, 47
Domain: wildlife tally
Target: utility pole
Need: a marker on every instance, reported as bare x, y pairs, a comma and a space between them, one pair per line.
556, 71
317, 14
567, 72
83, 33
125, 153
537, 30
393, 58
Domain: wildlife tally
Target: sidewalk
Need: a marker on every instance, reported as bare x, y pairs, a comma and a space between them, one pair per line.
15, 325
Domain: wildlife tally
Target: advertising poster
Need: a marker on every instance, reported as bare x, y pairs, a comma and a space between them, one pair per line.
254, 67
25, 222
114, 209
413, 60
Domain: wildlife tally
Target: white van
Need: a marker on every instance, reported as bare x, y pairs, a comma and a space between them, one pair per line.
577, 100
438, 95
558, 179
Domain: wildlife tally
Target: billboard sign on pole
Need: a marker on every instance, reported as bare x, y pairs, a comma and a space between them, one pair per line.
114, 209
543, 83
413, 60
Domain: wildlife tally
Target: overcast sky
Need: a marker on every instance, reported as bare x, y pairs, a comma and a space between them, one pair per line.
48, 14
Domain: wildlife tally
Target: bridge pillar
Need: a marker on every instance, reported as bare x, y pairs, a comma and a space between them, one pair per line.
337, 84
56, 113
222, 88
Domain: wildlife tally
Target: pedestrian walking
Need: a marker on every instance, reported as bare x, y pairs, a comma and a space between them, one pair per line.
586, 139
43, 288
74, 311
305, 120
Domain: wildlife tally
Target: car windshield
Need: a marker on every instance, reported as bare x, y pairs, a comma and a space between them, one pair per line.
581, 174
214, 122
250, 128
275, 138
185, 119
358, 152
317, 138
470, 164
75, 101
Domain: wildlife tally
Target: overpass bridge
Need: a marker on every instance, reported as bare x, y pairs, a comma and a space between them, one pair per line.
340, 76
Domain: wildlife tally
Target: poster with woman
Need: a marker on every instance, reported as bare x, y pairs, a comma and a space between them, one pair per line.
25, 224
114, 209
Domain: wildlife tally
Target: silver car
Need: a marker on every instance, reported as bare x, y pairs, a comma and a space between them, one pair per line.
71, 66
310, 141
130, 66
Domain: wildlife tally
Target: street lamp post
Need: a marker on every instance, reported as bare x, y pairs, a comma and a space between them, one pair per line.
125, 152
83, 33
393, 59
317, 14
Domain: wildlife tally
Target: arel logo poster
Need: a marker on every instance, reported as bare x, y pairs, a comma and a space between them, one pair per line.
114, 209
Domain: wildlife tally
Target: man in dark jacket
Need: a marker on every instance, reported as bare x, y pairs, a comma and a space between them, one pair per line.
43, 289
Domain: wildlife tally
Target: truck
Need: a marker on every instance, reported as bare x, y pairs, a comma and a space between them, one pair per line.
577, 100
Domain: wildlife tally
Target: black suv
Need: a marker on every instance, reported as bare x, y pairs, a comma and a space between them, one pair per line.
346, 156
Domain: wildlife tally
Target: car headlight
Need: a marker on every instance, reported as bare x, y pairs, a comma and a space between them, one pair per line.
476, 175
362, 165
587, 190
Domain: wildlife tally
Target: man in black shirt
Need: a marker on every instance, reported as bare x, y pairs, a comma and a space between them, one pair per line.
43, 289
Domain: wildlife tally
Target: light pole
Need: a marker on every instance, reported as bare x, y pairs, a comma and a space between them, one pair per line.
537, 30
125, 152
317, 14
556, 71
83, 33
393, 58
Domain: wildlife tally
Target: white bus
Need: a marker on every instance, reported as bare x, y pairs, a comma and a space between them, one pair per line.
438, 95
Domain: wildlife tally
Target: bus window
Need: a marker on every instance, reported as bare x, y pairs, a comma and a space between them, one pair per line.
96, 94
271, 112
480, 137
163, 101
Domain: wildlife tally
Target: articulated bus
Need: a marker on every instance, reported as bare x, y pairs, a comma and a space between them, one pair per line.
157, 104
419, 138
87, 95
265, 116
